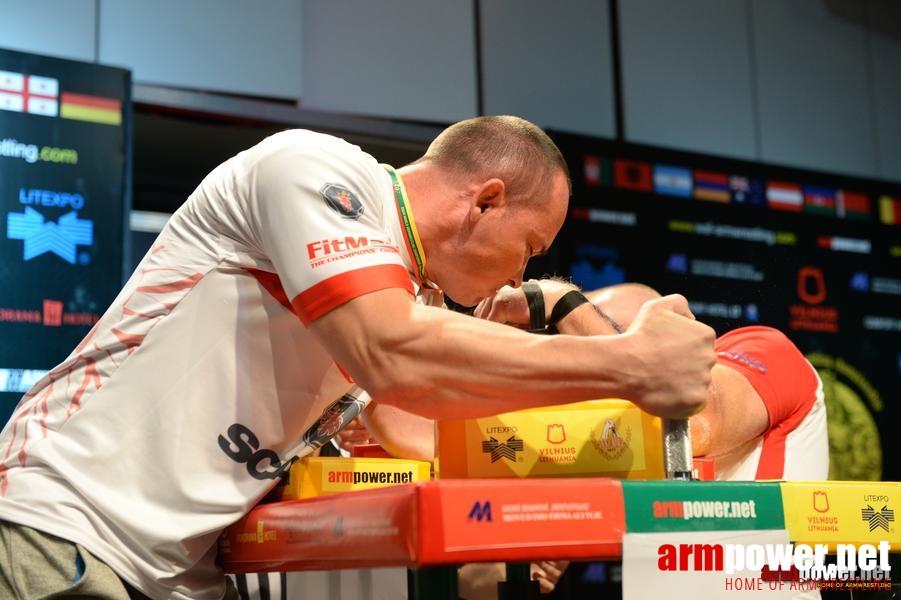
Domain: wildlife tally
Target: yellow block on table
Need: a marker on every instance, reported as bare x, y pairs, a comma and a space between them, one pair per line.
606, 438
321, 475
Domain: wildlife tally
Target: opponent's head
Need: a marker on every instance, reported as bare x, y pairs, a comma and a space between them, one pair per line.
622, 302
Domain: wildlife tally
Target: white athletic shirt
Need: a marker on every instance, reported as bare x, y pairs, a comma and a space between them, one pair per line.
189, 398
795, 446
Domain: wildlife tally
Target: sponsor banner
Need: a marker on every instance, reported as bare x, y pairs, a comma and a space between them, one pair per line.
61, 238
19, 381
77, 311
842, 512
476, 517
881, 323
726, 270
601, 437
613, 217
597, 266
886, 285
845, 244
812, 314
712, 186
724, 310
656, 506
32, 153
321, 475
672, 181
431, 523
633, 175
781, 195
648, 558
759, 235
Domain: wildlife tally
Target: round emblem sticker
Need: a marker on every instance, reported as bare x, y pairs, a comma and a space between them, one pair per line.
342, 200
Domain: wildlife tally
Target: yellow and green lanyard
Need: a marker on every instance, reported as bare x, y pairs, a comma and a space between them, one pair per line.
411, 235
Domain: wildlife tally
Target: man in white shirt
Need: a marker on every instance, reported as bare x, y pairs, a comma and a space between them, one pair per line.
296, 268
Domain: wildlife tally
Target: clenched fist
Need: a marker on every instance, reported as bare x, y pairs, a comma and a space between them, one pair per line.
673, 358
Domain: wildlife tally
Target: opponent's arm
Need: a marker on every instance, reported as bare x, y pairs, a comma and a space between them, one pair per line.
441, 364
400, 433
734, 415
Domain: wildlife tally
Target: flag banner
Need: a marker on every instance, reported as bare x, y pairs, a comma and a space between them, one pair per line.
747, 191
29, 93
672, 181
633, 175
819, 200
91, 108
784, 196
712, 186
13, 102
597, 170
852, 205
11, 82
889, 210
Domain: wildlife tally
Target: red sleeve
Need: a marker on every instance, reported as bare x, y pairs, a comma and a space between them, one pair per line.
782, 377
775, 368
319, 299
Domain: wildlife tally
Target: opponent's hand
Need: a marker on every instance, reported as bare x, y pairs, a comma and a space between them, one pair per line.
547, 573
354, 434
509, 305
675, 356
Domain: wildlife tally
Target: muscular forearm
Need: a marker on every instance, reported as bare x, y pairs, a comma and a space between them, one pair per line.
440, 364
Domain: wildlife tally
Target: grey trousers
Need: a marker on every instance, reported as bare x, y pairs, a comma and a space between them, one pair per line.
36, 565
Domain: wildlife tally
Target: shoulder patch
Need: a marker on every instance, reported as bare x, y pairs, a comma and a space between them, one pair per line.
341, 200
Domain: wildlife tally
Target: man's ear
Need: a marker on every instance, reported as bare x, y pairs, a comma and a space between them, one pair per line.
490, 194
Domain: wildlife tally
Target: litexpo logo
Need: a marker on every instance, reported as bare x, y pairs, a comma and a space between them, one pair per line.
772, 560
61, 238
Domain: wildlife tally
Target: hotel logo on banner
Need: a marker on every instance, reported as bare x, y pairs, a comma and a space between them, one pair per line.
39, 95
812, 315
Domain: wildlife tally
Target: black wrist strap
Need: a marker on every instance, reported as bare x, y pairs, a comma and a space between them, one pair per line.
569, 302
535, 300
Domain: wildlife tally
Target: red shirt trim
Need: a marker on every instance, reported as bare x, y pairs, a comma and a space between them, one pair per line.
782, 378
331, 293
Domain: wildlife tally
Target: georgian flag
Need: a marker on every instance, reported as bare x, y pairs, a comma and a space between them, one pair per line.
29, 93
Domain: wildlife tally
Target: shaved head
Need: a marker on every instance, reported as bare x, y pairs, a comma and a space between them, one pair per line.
509, 148
622, 302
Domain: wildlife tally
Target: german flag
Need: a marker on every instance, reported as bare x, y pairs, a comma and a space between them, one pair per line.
91, 108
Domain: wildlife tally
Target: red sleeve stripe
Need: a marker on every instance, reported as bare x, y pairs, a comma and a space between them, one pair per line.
272, 284
326, 295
